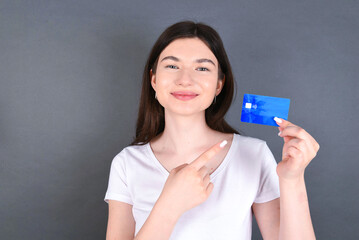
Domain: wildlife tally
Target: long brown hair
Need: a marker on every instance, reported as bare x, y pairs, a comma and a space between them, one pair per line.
151, 121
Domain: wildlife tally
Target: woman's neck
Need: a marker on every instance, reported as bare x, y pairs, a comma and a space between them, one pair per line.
184, 134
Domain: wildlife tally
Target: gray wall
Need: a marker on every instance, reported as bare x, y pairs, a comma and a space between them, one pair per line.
70, 76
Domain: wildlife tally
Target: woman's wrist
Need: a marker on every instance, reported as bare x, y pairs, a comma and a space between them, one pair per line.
294, 189
292, 181
166, 210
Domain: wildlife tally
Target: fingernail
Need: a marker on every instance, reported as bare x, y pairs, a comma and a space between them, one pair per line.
277, 119
223, 143
280, 132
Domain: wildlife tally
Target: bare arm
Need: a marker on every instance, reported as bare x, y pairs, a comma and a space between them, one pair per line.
121, 224
159, 224
267, 216
287, 217
295, 220
298, 151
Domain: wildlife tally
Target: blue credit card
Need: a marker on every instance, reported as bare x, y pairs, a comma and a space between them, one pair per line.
262, 109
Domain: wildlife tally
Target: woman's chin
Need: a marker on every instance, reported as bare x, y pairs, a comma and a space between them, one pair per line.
185, 110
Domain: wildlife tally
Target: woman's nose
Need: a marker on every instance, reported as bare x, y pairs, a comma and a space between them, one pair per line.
185, 78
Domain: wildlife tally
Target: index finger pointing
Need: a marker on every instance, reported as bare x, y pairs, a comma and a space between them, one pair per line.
283, 123
208, 155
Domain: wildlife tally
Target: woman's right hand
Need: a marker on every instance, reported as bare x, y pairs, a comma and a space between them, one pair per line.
188, 185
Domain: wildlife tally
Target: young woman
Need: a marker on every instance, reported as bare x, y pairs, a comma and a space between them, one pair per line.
188, 174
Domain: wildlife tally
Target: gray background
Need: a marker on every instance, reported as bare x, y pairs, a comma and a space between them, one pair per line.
70, 76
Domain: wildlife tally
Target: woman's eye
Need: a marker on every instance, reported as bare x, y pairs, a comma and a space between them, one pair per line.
171, 66
203, 69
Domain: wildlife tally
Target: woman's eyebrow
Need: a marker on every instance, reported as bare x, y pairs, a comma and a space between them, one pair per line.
201, 60
171, 58
205, 60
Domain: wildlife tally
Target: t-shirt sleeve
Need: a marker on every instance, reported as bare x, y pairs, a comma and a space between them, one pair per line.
269, 183
118, 188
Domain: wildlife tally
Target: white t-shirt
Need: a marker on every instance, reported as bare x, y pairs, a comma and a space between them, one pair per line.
246, 175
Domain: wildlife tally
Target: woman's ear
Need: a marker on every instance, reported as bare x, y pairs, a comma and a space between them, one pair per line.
153, 79
220, 84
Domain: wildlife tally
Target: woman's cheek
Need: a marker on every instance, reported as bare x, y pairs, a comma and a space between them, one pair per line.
167, 77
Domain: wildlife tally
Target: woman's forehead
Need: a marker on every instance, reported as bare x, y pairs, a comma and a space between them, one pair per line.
188, 49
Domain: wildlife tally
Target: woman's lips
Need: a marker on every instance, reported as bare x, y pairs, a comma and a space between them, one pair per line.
184, 96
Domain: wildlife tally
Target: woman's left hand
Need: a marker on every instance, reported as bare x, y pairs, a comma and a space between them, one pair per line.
298, 151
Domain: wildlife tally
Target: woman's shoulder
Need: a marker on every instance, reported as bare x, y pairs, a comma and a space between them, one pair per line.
242, 140
252, 150
250, 145
131, 152
249, 140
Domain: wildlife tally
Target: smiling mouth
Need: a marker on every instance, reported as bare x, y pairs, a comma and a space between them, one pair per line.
179, 94
184, 96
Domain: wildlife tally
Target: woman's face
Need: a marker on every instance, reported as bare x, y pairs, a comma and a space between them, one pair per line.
186, 65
